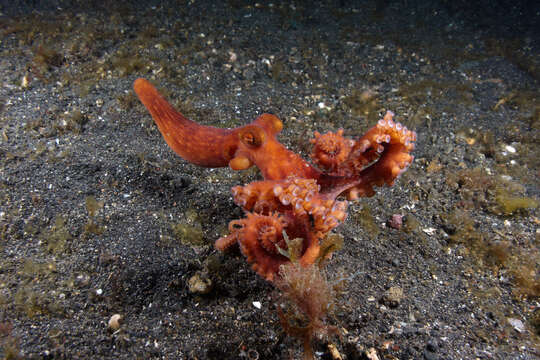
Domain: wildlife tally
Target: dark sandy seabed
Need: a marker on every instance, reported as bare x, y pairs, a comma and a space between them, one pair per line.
99, 217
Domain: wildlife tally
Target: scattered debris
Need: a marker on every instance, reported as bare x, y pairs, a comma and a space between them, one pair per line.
200, 284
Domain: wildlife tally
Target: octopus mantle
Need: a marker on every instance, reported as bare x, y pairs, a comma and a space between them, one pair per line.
296, 199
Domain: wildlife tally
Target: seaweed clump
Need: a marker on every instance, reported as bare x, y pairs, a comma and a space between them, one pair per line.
45, 59
92, 227
502, 257
363, 103
57, 237
307, 297
9, 345
364, 217
188, 234
496, 194
490, 253
509, 204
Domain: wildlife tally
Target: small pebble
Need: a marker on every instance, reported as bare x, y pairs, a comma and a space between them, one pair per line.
432, 345
393, 296
517, 324
115, 321
396, 221
371, 354
25, 82
334, 352
428, 355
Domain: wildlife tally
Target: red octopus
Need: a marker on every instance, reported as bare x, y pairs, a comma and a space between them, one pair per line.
295, 199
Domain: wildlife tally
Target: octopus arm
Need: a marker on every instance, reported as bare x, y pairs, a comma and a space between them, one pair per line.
201, 145
393, 143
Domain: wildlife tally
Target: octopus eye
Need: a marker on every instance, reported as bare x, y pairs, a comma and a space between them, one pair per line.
252, 136
250, 139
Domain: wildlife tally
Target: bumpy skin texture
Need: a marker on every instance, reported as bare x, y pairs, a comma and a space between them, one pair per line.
295, 198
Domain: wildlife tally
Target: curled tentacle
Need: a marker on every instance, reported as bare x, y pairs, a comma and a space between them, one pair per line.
225, 242
307, 214
259, 237
385, 137
393, 143
376, 159
294, 195
303, 197
257, 196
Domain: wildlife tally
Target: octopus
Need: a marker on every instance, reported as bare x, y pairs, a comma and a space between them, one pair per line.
296, 199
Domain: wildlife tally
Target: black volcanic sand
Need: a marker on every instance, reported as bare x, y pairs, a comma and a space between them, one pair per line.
99, 217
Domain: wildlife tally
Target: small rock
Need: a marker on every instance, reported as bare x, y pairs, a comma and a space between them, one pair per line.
200, 284
334, 352
517, 324
510, 149
396, 332
428, 355
432, 345
115, 321
249, 74
409, 331
371, 354
81, 281
25, 81
396, 221
393, 296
